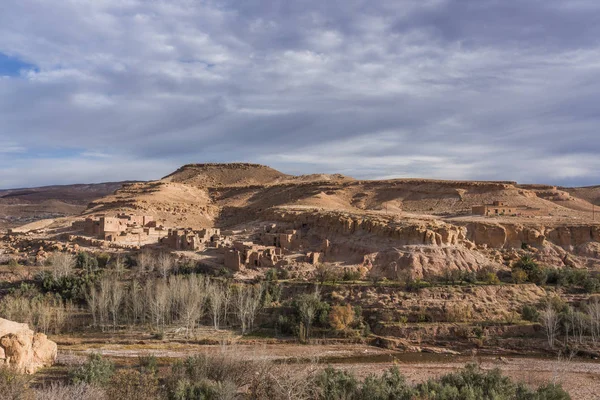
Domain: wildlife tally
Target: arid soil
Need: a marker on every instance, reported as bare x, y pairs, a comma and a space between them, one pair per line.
580, 378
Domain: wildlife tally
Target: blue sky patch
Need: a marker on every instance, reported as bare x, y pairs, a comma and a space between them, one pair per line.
11, 66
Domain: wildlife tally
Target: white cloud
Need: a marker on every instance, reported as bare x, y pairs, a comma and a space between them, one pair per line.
413, 88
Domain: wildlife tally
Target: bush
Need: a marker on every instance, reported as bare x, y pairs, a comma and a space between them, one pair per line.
530, 313
13, 263
14, 386
208, 377
272, 293
519, 276
102, 260
391, 385
80, 391
148, 364
133, 385
534, 273
69, 287
326, 272
271, 275
96, 371
86, 261
491, 279
286, 325
332, 384
341, 317
551, 392
351, 275
472, 383
284, 274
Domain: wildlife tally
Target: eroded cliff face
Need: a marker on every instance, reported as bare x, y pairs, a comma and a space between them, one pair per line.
343, 224
430, 247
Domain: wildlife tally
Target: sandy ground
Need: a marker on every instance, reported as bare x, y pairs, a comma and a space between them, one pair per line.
581, 378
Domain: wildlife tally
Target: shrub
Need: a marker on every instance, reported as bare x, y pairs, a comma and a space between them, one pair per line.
591, 285
351, 275
416, 285
69, 287
391, 385
519, 276
284, 274
133, 385
332, 384
530, 313
86, 261
491, 279
286, 325
341, 317
472, 383
272, 293
551, 392
13, 263
14, 386
534, 273
102, 259
208, 377
81, 391
271, 275
96, 371
148, 364
326, 272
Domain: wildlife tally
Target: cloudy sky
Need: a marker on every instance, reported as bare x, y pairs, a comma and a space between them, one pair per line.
102, 90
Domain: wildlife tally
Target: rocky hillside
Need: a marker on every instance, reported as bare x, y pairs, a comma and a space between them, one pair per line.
417, 225
21, 206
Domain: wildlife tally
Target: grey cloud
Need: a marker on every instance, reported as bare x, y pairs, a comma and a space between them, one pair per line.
438, 88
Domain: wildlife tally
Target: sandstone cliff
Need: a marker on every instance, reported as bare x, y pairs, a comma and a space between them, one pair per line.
23, 349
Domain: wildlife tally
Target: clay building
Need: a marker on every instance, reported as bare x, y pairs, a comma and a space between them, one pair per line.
289, 239
498, 208
193, 240
248, 254
119, 228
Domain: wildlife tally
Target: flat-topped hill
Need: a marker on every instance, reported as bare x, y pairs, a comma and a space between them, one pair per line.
232, 174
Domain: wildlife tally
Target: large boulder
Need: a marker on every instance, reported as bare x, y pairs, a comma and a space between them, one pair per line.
23, 349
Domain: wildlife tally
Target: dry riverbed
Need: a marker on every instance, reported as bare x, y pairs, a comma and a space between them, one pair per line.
581, 378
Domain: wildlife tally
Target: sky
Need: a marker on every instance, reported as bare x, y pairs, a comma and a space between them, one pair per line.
109, 90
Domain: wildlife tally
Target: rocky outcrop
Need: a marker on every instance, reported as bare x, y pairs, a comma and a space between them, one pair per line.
345, 224
425, 261
23, 349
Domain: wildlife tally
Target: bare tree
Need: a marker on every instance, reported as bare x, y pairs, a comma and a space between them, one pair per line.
104, 302
550, 321
164, 263
158, 300
190, 298
118, 265
247, 301
93, 302
62, 264
145, 261
217, 297
115, 298
255, 303
135, 302
593, 312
